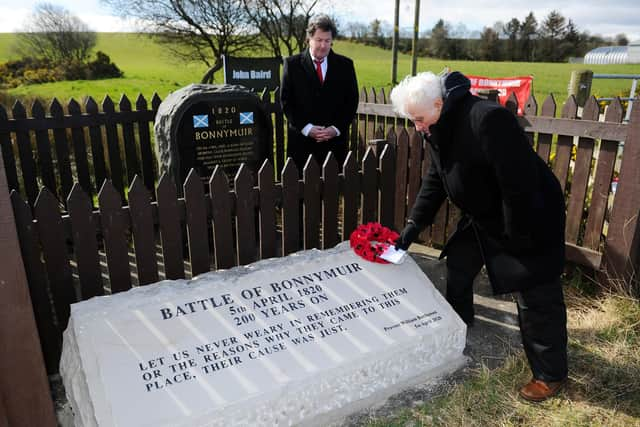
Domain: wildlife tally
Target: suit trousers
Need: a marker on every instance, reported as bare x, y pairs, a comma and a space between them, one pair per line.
541, 310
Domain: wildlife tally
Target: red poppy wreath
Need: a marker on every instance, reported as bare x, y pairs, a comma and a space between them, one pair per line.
370, 240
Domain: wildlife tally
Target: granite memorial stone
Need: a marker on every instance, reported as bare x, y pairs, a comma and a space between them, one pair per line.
201, 126
306, 339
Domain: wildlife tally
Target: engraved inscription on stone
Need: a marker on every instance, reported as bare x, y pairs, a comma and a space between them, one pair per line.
284, 341
204, 126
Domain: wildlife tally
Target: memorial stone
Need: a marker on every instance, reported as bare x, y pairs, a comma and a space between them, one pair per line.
201, 126
306, 339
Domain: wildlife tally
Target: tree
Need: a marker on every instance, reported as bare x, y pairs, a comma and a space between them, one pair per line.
375, 30
439, 39
281, 22
357, 30
588, 42
53, 33
621, 39
528, 33
511, 30
497, 27
201, 30
552, 30
460, 32
458, 42
489, 49
375, 34
458, 49
553, 26
572, 43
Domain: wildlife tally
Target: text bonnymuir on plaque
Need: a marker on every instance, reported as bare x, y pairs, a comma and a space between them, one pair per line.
302, 339
204, 126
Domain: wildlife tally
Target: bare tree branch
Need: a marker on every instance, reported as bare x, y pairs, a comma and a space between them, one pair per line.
194, 30
53, 33
281, 22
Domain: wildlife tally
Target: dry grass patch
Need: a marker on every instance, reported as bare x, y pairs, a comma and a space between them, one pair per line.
603, 387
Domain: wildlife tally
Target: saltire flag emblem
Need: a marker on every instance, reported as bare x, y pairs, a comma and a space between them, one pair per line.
246, 118
201, 121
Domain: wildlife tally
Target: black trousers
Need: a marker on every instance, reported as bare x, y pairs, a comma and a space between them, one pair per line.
541, 310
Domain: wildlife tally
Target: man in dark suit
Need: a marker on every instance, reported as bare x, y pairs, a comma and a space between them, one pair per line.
319, 96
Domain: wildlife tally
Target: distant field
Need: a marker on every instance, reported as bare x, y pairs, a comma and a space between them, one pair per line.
148, 69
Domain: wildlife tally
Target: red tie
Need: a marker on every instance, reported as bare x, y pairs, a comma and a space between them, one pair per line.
319, 70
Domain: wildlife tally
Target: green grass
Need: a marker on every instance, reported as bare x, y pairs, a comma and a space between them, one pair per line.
149, 68
373, 68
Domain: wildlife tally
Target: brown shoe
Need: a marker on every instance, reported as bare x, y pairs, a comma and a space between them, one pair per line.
538, 390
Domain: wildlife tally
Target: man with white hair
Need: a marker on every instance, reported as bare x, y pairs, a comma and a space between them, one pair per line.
513, 214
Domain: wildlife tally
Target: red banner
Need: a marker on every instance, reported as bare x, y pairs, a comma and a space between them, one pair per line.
520, 86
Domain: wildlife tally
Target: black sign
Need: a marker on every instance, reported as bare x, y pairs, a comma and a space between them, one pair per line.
204, 126
253, 73
225, 132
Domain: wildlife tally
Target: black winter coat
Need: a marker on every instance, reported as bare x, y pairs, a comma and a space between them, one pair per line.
482, 161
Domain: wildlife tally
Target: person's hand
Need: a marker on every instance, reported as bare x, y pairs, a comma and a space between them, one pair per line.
408, 235
316, 132
325, 134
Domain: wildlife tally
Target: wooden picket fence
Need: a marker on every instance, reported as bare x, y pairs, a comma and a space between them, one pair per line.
94, 145
62, 251
60, 248
56, 146
92, 131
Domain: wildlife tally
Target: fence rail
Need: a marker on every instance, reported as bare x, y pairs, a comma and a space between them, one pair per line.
632, 92
56, 149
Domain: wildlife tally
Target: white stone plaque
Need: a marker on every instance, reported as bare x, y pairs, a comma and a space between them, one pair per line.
304, 339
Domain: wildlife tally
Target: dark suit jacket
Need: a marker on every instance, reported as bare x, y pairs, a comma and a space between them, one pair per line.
304, 100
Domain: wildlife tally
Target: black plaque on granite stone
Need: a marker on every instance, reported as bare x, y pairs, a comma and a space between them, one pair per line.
202, 126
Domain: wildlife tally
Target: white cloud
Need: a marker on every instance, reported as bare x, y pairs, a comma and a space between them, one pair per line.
594, 16
108, 23
11, 19
603, 17
91, 12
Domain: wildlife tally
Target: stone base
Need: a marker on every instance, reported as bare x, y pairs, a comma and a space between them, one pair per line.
411, 336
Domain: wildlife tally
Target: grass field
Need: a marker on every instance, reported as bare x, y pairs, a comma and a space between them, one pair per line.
148, 69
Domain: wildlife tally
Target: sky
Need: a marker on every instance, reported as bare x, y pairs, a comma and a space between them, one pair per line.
604, 17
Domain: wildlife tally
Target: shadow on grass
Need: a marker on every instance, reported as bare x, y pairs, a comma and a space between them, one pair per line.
611, 383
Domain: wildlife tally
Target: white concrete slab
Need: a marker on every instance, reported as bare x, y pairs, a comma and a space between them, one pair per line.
305, 339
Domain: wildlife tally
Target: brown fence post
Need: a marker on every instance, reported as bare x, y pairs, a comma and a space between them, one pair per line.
580, 85
24, 389
622, 247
